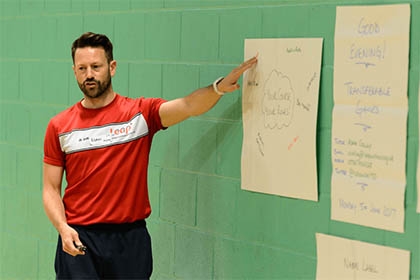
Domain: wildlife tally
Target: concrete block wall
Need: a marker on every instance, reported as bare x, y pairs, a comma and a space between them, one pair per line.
203, 225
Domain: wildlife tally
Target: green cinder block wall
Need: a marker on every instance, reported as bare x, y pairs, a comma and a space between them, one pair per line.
203, 225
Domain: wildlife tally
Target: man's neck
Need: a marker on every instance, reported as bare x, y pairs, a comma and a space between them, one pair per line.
96, 103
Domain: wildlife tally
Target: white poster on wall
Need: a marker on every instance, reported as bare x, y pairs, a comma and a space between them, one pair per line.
418, 159
279, 107
341, 258
370, 115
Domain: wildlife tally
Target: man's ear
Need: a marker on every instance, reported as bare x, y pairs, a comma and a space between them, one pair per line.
113, 67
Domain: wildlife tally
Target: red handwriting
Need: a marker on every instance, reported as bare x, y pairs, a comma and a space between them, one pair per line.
293, 143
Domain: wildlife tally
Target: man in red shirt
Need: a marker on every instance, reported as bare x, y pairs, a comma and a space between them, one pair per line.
102, 145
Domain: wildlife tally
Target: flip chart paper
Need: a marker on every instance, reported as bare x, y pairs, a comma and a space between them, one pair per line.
279, 107
418, 163
370, 115
340, 258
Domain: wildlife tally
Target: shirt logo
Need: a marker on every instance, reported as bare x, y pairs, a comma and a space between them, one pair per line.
103, 136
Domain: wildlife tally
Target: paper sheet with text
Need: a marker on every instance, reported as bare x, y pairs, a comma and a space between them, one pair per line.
370, 115
279, 112
340, 258
418, 162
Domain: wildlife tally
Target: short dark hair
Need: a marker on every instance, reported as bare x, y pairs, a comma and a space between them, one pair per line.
90, 39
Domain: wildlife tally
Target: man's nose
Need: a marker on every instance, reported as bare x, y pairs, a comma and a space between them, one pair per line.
89, 73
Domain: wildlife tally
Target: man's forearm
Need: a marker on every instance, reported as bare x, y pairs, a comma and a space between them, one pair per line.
196, 103
202, 100
54, 208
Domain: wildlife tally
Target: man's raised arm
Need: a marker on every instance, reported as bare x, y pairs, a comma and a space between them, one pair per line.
202, 99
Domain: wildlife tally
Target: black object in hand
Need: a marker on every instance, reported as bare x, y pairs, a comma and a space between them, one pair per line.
81, 248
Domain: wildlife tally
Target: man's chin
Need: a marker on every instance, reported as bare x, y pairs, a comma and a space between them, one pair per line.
92, 94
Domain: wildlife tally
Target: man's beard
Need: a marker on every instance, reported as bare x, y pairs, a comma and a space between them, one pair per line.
100, 89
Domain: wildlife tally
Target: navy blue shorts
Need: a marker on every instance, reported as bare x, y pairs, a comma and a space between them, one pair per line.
120, 251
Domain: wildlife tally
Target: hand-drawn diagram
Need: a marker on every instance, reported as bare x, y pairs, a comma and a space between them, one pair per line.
279, 102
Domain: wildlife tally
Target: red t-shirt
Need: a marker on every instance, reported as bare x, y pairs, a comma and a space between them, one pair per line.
105, 155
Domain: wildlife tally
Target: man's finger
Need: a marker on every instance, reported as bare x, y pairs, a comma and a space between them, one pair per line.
250, 62
74, 248
230, 82
82, 248
78, 244
246, 65
79, 247
70, 249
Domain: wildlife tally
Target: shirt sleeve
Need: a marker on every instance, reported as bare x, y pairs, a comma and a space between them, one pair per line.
52, 149
154, 117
